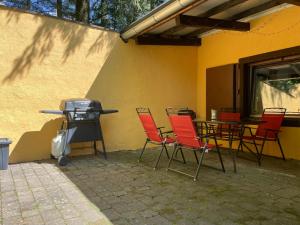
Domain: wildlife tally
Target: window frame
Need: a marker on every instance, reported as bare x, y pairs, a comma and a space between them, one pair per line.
247, 65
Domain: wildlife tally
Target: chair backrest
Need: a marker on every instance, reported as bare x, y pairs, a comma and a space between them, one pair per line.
229, 116
184, 130
272, 119
149, 125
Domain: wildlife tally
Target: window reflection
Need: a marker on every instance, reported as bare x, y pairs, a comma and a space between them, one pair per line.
276, 86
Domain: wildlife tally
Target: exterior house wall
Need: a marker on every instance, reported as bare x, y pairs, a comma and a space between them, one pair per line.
45, 60
273, 32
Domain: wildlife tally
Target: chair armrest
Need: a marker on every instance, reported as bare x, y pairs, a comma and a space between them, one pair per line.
250, 130
164, 132
167, 132
273, 130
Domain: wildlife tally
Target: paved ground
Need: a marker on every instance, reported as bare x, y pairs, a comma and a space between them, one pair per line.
91, 190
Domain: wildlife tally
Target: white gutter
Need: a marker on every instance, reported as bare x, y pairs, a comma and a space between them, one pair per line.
156, 17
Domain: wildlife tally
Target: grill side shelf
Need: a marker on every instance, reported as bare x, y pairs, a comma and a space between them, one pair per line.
55, 112
108, 111
62, 112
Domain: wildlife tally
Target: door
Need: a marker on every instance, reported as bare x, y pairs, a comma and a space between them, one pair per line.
221, 88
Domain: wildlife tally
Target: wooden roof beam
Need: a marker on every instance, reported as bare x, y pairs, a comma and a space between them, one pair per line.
293, 2
194, 21
174, 40
258, 9
215, 10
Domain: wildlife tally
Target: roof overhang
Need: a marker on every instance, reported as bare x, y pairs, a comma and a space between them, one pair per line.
184, 22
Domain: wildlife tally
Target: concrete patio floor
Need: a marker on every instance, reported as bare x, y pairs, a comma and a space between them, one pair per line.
91, 190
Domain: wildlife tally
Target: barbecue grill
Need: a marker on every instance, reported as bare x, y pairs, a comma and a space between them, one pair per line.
81, 123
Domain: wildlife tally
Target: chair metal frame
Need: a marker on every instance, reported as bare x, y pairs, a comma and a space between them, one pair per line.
202, 148
264, 137
162, 135
227, 128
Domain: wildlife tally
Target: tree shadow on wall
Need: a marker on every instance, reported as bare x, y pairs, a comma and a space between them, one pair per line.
35, 144
43, 42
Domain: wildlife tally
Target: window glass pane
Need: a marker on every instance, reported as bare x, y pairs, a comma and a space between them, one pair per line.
276, 86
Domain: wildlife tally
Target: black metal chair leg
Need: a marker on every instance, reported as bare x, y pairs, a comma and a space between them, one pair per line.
176, 153
182, 155
261, 151
143, 150
232, 155
172, 156
95, 147
198, 168
157, 161
165, 147
219, 154
196, 157
280, 147
257, 152
240, 147
221, 160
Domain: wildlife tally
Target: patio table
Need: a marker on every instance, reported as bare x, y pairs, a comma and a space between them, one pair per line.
230, 131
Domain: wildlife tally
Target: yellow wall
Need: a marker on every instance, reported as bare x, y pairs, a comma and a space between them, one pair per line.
45, 60
273, 32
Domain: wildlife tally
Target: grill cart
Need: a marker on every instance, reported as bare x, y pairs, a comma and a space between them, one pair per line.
81, 123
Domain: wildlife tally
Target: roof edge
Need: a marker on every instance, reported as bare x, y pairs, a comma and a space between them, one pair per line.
155, 16
152, 12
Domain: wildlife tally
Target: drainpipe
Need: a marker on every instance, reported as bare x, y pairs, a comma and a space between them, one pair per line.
157, 15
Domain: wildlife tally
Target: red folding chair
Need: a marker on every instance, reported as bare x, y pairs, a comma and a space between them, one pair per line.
268, 130
228, 116
154, 134
187, 138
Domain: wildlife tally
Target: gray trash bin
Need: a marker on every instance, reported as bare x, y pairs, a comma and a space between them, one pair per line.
4, 153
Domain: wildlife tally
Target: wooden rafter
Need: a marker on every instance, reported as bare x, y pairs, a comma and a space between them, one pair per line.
209, 13
244, 14
194, 21
174, 40
293, 2
255, 10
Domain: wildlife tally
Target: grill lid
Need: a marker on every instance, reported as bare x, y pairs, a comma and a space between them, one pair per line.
80, 107
82, 104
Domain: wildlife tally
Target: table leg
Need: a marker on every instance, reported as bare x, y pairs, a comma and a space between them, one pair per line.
231, 151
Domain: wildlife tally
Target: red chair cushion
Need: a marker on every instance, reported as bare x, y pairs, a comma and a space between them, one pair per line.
185, 132
150, 127
271, 121
229, 116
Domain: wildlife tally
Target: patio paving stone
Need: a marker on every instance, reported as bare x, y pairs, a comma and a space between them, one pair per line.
93, 191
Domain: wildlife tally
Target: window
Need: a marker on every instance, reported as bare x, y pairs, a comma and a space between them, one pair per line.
276, 85
271, 80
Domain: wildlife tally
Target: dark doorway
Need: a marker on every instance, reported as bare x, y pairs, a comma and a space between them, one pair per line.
222, 88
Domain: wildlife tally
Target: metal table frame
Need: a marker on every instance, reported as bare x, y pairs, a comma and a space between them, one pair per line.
233, 126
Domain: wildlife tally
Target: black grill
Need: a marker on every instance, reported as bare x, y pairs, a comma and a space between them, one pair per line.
81, 109
82, 121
